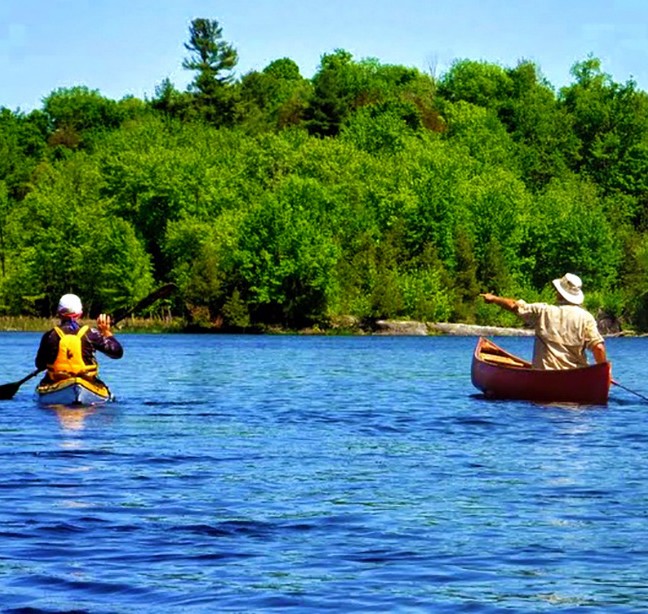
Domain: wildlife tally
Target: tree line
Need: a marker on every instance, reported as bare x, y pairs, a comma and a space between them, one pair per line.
369, 190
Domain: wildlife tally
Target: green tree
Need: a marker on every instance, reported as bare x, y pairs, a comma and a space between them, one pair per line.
4, 219
382, 128
286, 258
155, 171
635, 282
172, 102
23, 143
71, 244
199, 253
611, 123
481, 132
75, 114
567, 231
435, 172
425, 289
542, 129
466, 286
214, 60
274, 98
525, 105
481, 83
336, 87
341, 86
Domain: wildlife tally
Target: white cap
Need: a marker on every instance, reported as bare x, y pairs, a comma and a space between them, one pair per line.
70, 305
569, 286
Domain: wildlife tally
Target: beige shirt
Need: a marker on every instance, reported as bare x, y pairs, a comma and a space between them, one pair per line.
562, 334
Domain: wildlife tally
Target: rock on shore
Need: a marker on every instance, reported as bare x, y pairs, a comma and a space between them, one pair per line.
409, 327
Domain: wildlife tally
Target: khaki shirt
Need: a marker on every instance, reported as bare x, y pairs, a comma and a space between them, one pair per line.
562, 334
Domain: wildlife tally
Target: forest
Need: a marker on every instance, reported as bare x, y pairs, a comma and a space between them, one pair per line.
369, 191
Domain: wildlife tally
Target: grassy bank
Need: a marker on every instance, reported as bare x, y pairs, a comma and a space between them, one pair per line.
177, 325
130, 325
25, 324
340, 327
160, 325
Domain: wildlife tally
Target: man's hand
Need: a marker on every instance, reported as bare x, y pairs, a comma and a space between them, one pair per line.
103, 324
488, 297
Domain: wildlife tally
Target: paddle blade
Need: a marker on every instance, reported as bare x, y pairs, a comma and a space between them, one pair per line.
7, 391
147, 301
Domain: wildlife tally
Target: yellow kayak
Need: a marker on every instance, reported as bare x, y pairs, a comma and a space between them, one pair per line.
73, 391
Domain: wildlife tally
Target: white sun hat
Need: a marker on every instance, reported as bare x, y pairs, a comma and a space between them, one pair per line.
70, 305
570, 288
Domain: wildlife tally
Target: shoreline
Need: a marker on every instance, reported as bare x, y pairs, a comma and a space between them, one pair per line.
380, 328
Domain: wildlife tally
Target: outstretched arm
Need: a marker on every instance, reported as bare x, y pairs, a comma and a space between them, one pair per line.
509, 304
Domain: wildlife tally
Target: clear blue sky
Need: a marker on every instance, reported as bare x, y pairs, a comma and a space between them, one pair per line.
127, 47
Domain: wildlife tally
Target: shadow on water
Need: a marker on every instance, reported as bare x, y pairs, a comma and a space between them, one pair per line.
523, 404
617, 402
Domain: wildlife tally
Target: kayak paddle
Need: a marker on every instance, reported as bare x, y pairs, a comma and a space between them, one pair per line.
147, 301
7, 391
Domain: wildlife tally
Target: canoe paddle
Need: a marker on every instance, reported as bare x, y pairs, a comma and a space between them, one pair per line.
7, 391
641, 396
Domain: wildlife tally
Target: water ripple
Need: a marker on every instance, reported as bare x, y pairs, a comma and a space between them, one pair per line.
320, 474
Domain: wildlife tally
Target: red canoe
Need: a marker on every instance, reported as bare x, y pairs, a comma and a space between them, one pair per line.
501, 375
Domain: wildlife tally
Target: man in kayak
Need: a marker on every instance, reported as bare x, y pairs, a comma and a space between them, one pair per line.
563, 331
69, 349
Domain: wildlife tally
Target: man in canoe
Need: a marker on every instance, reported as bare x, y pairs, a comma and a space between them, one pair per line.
69, 348
563, 332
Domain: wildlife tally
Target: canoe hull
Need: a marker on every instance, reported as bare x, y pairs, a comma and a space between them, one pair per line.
501, 375
73, 391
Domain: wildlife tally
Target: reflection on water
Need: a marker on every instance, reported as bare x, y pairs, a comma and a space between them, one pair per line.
71, 418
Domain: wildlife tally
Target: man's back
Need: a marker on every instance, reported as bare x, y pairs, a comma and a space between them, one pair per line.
563, 333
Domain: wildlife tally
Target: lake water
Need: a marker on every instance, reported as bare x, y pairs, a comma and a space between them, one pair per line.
309, 474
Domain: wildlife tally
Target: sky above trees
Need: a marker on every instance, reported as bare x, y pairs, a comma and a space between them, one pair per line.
124, 48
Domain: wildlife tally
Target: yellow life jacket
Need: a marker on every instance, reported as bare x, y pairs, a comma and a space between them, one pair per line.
69, 360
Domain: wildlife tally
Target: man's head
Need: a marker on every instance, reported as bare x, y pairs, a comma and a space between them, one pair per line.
569, 287
70, 306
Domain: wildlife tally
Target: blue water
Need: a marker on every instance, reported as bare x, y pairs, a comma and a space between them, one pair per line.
355, 474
